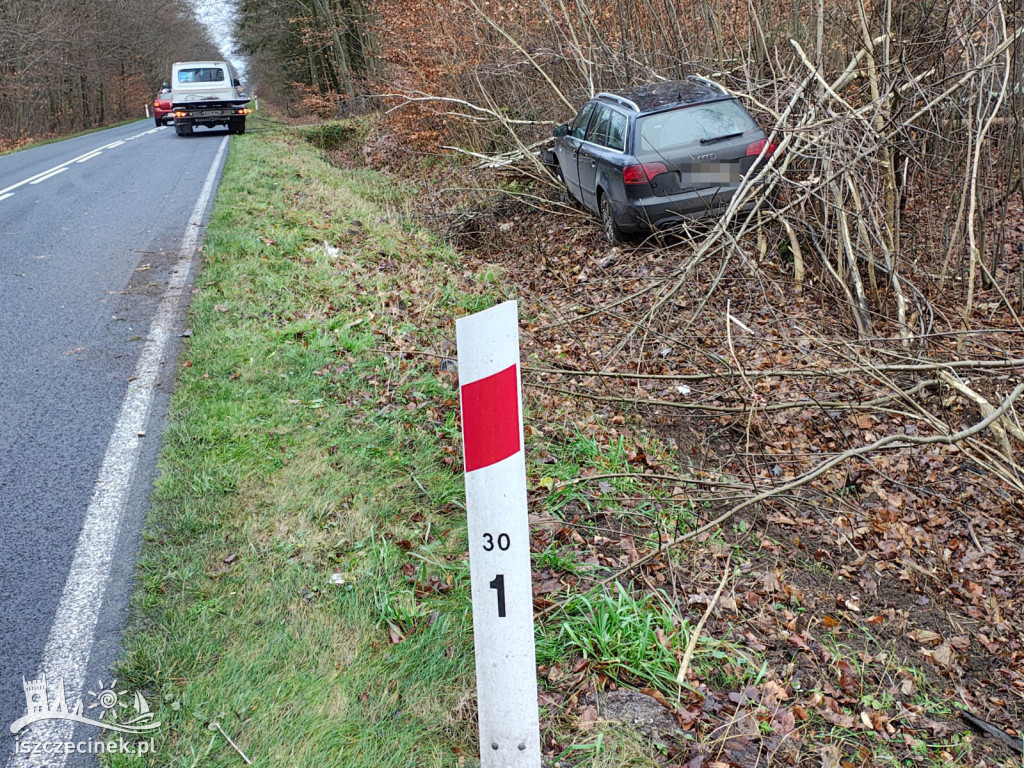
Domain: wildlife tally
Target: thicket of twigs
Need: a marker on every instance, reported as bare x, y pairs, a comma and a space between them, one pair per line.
898, 176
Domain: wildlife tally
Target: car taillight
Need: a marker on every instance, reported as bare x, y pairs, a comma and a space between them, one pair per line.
642, 174
755, 148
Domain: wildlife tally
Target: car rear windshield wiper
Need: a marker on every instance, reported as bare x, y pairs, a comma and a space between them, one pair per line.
721, 138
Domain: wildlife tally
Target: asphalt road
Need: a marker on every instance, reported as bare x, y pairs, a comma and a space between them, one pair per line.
90, 251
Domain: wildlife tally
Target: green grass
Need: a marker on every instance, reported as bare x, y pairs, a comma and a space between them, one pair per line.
619, 635
337, 134
291, 456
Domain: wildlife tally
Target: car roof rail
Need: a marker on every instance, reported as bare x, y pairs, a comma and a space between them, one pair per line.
619, 99
709, 83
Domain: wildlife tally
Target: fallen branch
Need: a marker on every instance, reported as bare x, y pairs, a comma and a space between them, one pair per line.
983, 726
842, 405
461, 102
792, 372
684, 665
1003, 427
647, 476
889, 441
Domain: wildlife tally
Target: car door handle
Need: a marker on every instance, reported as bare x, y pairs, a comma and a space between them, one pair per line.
593, 163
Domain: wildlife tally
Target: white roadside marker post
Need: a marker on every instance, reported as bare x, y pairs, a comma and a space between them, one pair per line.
499, 537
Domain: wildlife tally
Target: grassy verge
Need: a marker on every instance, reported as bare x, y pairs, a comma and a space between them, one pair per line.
306, 484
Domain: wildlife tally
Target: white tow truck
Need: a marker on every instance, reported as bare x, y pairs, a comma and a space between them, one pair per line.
207, 93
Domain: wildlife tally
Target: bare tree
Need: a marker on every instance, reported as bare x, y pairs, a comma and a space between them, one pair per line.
67, 65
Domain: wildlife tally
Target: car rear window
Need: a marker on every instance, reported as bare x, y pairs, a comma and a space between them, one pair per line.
201, 75
665, 131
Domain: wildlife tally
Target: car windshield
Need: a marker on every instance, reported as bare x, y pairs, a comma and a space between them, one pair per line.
201, 75
665, 131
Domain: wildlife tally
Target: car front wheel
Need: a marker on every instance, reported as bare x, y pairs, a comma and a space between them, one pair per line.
612, 232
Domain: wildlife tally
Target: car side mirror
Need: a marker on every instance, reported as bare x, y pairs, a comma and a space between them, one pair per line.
560, 130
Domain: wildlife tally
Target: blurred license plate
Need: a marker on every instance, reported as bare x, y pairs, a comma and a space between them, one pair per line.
710, 173
211, 113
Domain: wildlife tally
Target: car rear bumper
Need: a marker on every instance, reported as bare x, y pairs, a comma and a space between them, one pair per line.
648, 213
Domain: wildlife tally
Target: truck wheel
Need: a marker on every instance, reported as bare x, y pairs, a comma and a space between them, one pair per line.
236, 125
183, 130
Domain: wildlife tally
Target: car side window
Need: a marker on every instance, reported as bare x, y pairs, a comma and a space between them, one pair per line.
579, 126
617, 131
598, 133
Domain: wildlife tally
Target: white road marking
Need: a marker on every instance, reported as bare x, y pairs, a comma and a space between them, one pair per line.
30, 179
50, 175
4, 197
43, 175
72, 634
144, 133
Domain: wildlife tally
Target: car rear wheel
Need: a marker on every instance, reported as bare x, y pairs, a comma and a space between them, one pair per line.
612, 232
159, 122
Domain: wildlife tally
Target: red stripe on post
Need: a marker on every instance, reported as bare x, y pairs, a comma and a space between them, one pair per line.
490, 419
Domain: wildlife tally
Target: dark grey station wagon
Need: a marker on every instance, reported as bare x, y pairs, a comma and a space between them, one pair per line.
652, 157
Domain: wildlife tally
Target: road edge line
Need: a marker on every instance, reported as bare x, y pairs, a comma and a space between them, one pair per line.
72, 634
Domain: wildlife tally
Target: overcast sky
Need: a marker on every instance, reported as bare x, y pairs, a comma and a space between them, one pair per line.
218, 16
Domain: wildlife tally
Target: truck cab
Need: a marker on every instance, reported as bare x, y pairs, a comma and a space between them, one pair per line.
207, 93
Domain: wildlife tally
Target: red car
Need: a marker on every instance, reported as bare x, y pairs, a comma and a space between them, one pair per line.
162, 106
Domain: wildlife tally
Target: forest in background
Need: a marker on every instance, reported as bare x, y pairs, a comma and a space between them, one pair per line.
71, 65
